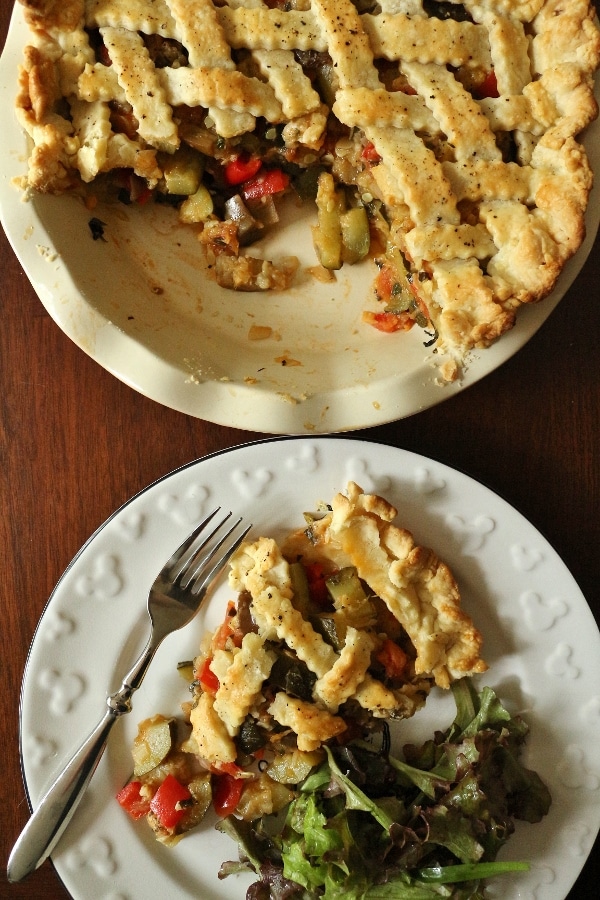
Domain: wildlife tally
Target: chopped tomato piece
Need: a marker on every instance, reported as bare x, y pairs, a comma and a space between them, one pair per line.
166, 802
229, 768
241, 169
388, 321
229, 630
272, 181
487, 88
387, 287
132, 801
315, 575
370, 153
207, 678
225, 631
226, 793
392, 658
144, 196
384, 283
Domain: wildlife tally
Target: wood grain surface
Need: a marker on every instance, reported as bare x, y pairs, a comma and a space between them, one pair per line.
76, 443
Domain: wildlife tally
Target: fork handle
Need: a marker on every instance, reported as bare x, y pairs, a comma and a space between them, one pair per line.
50, 818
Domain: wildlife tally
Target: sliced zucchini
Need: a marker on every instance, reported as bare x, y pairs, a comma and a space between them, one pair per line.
152, 744
327, 235
201, 791
294, 766
345, 587
293, 676
301, 594
356, 235
182, 171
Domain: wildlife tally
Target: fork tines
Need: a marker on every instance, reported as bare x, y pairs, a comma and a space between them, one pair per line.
199, 558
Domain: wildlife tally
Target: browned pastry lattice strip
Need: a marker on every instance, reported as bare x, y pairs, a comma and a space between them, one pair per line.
192, 87
206, 46
390, 36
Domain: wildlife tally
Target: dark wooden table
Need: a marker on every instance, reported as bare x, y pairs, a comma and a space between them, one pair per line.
76, 443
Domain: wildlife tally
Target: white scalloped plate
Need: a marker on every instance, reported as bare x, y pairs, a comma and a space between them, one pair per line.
541, 643
142, 305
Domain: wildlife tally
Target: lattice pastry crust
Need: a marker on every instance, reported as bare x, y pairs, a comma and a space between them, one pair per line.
478, 187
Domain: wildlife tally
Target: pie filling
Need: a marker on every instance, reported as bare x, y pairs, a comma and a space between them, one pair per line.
437, 138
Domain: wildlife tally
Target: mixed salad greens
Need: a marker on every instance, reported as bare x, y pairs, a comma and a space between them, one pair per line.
366, 824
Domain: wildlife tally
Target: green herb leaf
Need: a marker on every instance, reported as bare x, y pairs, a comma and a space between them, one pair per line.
472, 872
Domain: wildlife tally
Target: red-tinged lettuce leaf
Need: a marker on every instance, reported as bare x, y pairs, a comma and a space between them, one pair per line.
448, 827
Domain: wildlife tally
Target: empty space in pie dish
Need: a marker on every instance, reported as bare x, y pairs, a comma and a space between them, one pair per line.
147, 279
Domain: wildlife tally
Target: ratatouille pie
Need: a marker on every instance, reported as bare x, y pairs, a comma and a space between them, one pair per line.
438, 138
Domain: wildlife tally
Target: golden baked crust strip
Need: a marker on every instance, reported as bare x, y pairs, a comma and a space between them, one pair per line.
192, 87
418, 178
457, 113
441, 41
202, 36
138, 78
258, 27
382, 108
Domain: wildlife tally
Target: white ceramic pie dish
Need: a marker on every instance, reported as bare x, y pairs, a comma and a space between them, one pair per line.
141, 304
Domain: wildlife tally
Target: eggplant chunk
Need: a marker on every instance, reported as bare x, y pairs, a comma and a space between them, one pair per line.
249, 228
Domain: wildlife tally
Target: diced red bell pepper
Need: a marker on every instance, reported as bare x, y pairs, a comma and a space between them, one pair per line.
226, 793
271, 181
487, 88
230, 768
315, 575
207, 678
392, 658
132, 802
165, 803
370, 153
241, 169
388, 321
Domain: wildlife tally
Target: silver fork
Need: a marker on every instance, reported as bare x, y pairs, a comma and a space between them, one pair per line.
174, 599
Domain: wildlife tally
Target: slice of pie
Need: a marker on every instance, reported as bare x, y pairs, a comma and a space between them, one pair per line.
438, 138
344, 626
